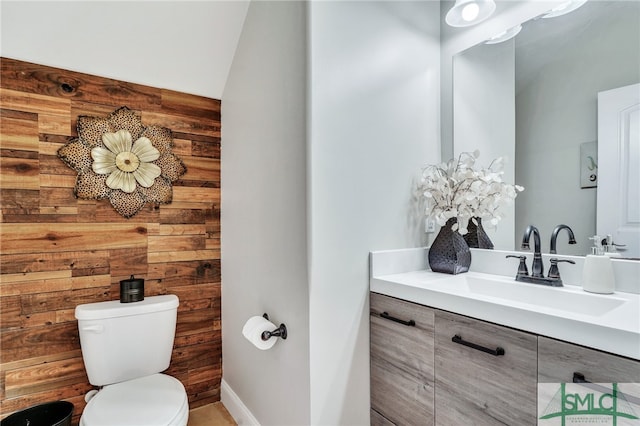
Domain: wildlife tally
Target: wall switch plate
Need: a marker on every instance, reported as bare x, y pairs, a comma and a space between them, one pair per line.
429, 226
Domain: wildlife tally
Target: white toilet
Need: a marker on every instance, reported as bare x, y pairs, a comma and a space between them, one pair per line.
125, 346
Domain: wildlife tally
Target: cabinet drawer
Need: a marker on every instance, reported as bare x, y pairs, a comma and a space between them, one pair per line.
401, 361
558, 361
474, 387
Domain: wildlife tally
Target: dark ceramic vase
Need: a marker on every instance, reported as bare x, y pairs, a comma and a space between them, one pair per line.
449, 252
477, 237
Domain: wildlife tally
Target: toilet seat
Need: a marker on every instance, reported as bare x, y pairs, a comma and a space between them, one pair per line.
156, 400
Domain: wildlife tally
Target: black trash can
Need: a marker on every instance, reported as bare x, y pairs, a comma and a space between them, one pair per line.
57, 413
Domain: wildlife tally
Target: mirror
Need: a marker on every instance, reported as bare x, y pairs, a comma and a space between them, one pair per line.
533, 98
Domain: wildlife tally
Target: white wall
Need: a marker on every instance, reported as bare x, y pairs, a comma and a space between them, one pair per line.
374, 124
264, 217
183, 46
484, 108
556, 113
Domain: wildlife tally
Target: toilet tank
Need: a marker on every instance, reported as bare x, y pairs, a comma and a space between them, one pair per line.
123, 341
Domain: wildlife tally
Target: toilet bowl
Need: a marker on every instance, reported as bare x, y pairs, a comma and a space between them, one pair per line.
125, 347
156, 400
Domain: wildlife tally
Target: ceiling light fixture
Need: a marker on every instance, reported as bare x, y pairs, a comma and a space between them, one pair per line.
564, 8
469, 12
505, 35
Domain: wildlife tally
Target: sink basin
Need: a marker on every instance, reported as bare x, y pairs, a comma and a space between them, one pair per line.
563, 298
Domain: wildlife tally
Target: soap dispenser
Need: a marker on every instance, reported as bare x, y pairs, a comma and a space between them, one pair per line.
597, 274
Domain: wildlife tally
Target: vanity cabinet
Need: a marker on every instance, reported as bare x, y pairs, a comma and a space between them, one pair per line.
562, 362
430, 366
486, 374
420, 376
402, 356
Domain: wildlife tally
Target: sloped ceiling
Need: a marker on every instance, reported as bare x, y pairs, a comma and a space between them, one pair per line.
186, 46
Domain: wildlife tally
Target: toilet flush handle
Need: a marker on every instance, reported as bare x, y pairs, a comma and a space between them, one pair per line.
97, 328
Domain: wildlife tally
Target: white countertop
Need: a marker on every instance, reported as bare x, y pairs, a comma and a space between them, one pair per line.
607, 322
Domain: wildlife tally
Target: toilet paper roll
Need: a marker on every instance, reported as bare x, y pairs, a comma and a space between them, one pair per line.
253, 329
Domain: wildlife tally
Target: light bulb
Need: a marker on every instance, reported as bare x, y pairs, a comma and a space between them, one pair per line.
470, 11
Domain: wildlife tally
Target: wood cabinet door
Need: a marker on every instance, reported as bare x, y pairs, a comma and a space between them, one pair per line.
401, 361
474, 387
558, 361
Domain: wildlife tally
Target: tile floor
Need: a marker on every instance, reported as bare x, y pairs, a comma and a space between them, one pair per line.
210, 415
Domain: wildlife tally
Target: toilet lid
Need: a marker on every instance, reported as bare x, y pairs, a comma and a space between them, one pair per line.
148, 401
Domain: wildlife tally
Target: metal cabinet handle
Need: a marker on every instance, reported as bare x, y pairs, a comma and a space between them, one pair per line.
410, 323
497, 351
579, 378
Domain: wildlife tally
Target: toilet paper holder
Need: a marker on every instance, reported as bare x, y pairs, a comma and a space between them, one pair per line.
278, 332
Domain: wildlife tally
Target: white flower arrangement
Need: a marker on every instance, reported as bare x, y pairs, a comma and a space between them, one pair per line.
456, 189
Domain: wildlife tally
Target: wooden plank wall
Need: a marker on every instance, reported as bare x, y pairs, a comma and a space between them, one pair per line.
58, 252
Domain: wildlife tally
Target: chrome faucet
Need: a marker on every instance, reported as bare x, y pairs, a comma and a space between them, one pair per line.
554, 236
537, 268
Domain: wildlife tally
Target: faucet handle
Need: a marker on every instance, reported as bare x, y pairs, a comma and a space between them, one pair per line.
522, 267
554, 272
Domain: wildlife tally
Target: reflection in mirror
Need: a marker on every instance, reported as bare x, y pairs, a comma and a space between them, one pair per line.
534, 99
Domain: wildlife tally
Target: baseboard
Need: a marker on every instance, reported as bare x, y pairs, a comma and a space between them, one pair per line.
234, 405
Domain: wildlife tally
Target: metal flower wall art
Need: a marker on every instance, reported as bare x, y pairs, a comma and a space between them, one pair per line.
120, 159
